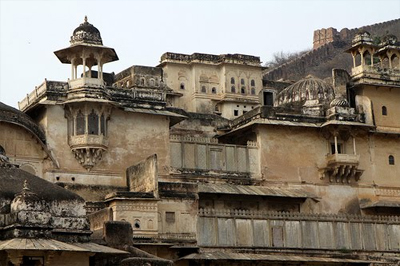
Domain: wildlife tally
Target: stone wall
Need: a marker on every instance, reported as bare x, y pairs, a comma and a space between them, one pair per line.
206, 154
294, 230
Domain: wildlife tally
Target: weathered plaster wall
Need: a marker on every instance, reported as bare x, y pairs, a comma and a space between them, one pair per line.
22, 148
291, 154
177, 216
131, 138
384, 96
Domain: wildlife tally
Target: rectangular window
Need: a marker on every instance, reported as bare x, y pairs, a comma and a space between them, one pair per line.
268, 98
235, 112
170, 217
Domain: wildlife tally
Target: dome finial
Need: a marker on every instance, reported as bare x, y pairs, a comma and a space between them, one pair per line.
85, 19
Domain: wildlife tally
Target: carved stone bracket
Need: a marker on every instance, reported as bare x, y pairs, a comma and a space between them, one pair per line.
88, 157
342, 168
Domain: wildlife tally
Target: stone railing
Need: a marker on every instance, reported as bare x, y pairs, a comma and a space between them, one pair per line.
83, 82
222, 228
177, 236
389, 73
31, 97
343, 158
205, 154
88, 140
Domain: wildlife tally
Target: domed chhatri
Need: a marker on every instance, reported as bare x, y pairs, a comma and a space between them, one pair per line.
86, 33
307, 89
362, 37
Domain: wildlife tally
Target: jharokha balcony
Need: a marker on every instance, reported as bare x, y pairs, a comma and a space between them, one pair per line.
341, 168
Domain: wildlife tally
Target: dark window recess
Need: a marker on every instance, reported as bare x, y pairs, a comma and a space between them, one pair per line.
252, 83
253, 91
352, 98
137, 224
170, 217
339, 148
214, 90
93, 123
242, 81
80, 124
32, 261
268, 98
391, 160
232, 80
244, 111
243, 90
384, 110
233, 89
203, 89
235, 112
182, 86
102, 125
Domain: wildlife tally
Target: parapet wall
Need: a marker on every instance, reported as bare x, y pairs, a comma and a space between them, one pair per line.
324, 36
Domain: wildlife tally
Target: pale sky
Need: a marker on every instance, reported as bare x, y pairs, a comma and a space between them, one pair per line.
141, 31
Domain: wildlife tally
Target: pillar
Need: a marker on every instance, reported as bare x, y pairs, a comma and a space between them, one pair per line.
354, 145
336, 149
72, 69
84, 68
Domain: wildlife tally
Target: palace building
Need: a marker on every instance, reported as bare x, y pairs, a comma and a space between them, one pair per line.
204, 160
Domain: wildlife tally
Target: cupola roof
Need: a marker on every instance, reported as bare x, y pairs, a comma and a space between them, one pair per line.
308, 89
86, 33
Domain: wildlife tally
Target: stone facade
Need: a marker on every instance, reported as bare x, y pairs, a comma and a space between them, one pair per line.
200, 161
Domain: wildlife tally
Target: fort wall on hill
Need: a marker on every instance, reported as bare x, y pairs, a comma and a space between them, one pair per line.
328, 52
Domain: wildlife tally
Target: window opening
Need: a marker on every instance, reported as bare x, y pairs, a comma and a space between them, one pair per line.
339, 148
93, 123
268, 98
80, 124
384, 110
391, 160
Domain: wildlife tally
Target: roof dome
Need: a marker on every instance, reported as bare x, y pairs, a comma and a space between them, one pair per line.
11, 115
362, 36
307, 89
86, 33
389, 39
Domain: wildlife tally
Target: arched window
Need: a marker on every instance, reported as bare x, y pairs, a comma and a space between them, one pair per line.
80, 124
391, 160
242, 90
384, 110
93, 123
252, 83
151, 82
232, 80
203, 89
233, 89
142, 81
253, 91
242, 81
182, 86
213, 90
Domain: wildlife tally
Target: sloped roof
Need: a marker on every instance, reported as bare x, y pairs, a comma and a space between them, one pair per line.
12, 181
14, 116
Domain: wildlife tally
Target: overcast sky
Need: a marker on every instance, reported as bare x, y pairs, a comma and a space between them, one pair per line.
141, 31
